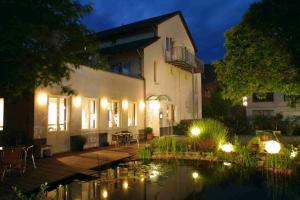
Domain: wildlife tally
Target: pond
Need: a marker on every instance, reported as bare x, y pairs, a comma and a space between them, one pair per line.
181, 180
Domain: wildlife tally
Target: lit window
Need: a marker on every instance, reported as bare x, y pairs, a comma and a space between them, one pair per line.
113, 114
1, 113
57, 114
89, 115
132, 114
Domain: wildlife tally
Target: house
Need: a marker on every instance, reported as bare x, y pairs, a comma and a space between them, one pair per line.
152, 78
273, 104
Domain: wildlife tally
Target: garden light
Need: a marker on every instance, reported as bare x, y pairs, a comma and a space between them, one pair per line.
227, 148
42, 98
228, 164
104, 193
195, 175
294, 154
272, 146
154, 174
125, 185
195, 131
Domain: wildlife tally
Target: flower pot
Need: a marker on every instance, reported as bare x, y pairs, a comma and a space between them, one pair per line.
149, 136
264, 138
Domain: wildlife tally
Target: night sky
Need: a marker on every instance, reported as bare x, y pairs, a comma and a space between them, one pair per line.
207, 19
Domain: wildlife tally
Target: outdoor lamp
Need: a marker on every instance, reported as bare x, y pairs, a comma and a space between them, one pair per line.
195, 131
272, 146
125, 104
195, 175
42, 98
104, 193
227, 147
77, 101
104, 103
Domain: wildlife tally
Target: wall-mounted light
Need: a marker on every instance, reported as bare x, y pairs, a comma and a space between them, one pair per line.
77, 101
104, 103
125, 185
104, 193
142, 105
245, 102
42, 98
125, 104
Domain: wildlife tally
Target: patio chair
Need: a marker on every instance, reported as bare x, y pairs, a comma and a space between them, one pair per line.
12, 159
115, 138
29, 154
135, 138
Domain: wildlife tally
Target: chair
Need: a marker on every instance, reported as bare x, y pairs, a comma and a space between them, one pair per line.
135, 138
29, 154
115, 139
12, 159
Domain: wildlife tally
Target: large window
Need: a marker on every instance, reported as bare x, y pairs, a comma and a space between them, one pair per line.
132, 114
1, 113
114, 114
89, 115
268, 98
57, 114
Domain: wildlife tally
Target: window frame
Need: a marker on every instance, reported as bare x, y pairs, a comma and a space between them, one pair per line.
135, 114
67, 113
89, 113
110, 112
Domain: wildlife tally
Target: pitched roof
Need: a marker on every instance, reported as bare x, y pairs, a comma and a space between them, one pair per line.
146, 24
128, 46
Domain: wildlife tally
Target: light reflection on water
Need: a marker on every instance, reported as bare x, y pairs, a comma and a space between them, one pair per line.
180, 180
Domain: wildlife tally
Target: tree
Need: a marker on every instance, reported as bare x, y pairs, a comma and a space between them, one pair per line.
263, 52
38, 41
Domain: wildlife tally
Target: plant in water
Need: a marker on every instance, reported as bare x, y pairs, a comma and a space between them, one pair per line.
41, 195
244, 157
145, 153
212, 134
281, 161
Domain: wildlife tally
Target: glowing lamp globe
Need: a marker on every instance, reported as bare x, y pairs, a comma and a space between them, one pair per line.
272, 146
195, 175
227, 148
195, 131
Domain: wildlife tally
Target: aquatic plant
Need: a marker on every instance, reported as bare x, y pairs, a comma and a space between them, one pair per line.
212, 133
41, 195
145, 153
280, 161
164, 144
244, 157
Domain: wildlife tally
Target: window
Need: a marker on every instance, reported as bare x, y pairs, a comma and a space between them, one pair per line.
155, 72
117, 67
169, 44
126, 68
1, 113
132, 114
113, 114
57, 114
266, 113
89, 115
269, 98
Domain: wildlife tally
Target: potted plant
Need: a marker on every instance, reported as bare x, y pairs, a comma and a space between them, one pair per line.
149, 133
77, 142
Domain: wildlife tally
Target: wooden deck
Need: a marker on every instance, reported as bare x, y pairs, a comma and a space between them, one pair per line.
64, 165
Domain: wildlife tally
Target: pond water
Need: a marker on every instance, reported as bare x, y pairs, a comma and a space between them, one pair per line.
176, 180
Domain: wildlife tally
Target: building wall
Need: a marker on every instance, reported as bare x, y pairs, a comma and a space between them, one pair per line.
171, 81
278, 106
89, 83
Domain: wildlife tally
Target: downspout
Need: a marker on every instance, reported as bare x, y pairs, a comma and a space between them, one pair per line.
193, 92
144, 86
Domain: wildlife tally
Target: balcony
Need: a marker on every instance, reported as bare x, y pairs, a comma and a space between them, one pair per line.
183, 58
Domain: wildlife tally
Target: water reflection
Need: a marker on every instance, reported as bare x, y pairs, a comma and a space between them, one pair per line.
180, 180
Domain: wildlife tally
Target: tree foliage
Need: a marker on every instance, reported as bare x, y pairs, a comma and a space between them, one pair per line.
37, 41
263, 52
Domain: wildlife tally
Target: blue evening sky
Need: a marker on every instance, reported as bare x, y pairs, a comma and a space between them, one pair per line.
207, 19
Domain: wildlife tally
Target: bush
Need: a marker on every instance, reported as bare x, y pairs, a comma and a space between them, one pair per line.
148, 130
181, 128
211, 131
77, 142
164, 144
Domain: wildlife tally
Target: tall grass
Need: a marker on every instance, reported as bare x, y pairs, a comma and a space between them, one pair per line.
210, 130
165, 144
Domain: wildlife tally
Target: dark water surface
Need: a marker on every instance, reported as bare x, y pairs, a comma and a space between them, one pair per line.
176, 180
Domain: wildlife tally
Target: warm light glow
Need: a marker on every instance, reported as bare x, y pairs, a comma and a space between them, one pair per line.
227, 148
125, 185
153, 173
227, 164
195, 131
104, 103
245, 102
1, 113
272, 146
142, 105
294, 154
142, 179
104, 193
154, 105
195, 175
77, 101
125, 104
42, 98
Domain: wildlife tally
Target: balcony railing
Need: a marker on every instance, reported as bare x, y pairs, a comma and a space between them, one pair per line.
183, 58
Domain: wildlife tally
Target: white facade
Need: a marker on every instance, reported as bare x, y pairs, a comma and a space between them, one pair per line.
272, 107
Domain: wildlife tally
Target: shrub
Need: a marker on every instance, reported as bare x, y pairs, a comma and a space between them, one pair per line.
148, 130
181, 128
212, 132
77, 143
164, 144
145, 153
